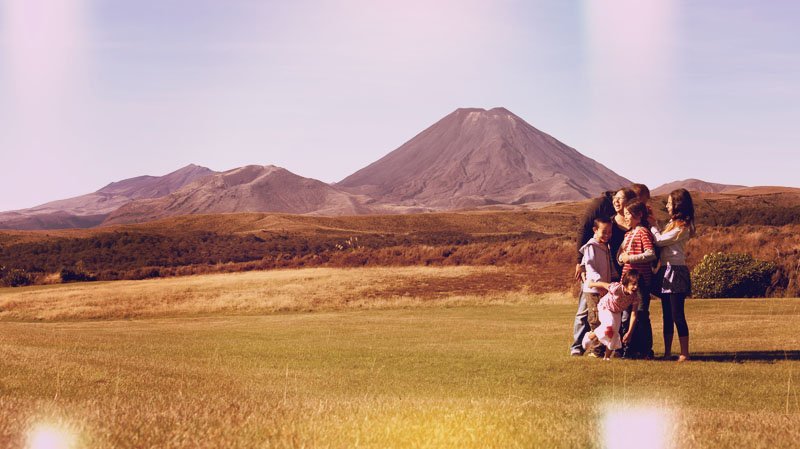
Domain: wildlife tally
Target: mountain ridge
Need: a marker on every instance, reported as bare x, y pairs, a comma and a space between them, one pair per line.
91, 209
252, 188
472, 158
481, 156
695, 185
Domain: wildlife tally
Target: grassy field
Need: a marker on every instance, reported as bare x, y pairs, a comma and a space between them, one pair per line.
260, 292
375, 358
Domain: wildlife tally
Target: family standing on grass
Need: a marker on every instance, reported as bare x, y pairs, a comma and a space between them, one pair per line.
623, 258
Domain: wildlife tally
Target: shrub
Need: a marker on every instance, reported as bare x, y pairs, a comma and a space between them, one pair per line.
732, 275
75, 275
786, 280
144, 273
16, 278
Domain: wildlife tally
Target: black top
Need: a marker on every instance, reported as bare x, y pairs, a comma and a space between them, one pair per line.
617, 237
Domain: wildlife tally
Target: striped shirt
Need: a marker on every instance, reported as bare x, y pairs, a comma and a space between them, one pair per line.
638, 243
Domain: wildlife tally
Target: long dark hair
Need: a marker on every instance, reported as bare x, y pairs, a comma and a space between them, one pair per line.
639, 209
682, 209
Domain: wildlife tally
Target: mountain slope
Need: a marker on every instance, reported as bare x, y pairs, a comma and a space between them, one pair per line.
156, 186
91, 209
694, 185
473, 157
252, 188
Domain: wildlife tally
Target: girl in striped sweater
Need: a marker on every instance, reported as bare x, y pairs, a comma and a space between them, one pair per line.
637, 253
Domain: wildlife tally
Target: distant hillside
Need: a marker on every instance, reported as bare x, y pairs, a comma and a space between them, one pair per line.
765, 191
252, 188
694, 185
765, 225
474, 157
90, 210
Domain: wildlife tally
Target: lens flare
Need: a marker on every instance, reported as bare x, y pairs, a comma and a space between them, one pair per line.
47, 436
637, 427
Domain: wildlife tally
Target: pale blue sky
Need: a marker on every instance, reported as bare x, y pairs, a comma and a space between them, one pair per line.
94, 91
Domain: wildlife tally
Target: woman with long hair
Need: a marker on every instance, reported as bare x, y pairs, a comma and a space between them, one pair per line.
674, 274
610, 205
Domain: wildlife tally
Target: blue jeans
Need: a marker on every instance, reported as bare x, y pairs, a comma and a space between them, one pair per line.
581, 326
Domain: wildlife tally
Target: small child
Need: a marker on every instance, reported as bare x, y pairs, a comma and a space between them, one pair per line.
597, 266
620, 295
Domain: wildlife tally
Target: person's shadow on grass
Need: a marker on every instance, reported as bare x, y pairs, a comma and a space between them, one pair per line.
745, 356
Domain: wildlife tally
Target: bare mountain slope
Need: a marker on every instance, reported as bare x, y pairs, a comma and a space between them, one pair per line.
91, 209
156, 186
694, 185
252, 188
474, 157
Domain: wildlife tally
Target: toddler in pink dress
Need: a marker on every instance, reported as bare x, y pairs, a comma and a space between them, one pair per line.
619, 296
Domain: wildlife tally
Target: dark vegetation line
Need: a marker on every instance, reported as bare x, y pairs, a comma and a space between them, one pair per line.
759, 215
133, 255
140, 254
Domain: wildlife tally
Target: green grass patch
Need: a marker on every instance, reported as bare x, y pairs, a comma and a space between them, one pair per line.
462, 377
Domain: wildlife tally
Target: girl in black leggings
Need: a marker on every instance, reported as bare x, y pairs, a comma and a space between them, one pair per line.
674, 274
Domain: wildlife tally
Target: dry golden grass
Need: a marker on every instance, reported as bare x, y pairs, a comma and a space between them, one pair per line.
261, 292
442, 377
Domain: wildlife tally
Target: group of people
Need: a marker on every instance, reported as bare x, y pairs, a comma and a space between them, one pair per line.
624, 256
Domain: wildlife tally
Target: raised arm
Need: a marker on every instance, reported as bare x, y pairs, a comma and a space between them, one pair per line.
674, 235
